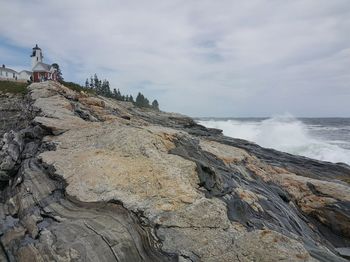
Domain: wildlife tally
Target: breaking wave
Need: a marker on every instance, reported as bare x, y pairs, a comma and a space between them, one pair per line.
284, 133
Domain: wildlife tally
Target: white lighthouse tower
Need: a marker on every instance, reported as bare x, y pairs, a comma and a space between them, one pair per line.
37, 56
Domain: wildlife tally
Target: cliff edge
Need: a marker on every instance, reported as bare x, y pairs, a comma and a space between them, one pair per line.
87, 178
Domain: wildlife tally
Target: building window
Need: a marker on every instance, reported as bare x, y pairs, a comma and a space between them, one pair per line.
6, 74
14, 75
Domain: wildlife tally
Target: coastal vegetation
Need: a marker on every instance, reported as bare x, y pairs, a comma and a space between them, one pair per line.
102, 87
59, 72
13, 87
77, 87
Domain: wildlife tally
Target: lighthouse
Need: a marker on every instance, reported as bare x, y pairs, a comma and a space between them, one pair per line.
41, 71
37, 56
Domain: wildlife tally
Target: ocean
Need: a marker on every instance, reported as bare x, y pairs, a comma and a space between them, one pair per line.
326, 139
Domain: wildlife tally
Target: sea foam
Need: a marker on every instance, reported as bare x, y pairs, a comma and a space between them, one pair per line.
284, 133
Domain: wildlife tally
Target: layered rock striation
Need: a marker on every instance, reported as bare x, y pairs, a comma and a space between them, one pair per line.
92, 179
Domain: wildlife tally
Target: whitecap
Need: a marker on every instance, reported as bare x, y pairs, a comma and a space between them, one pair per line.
284, 133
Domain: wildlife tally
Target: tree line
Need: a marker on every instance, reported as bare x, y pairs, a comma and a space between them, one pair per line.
102, 87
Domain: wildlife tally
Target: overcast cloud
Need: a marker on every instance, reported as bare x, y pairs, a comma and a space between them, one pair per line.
202, 58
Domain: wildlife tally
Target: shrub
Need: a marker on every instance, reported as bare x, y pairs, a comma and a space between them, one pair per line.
76, 87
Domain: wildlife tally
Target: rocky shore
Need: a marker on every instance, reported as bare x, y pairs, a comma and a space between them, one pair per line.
88, 178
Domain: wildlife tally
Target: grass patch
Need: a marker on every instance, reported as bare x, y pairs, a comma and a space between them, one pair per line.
76, 87
21, 88
13, 87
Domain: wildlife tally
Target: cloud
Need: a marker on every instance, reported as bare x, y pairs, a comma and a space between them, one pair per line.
228, 58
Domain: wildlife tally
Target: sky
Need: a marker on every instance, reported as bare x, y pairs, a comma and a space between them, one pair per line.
224, 58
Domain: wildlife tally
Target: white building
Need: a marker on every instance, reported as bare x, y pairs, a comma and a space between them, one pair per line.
8, 74
24, 75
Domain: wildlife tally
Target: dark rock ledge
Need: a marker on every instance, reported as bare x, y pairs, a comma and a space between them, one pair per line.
39, 222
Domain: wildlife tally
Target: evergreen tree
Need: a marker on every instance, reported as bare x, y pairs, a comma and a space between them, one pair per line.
155, 105
115, 94
103, 88
108, 88
59, 73
96, 84
142, 101
95, 80
118, 95
99, 86
92, 86
139, 99
146, 103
